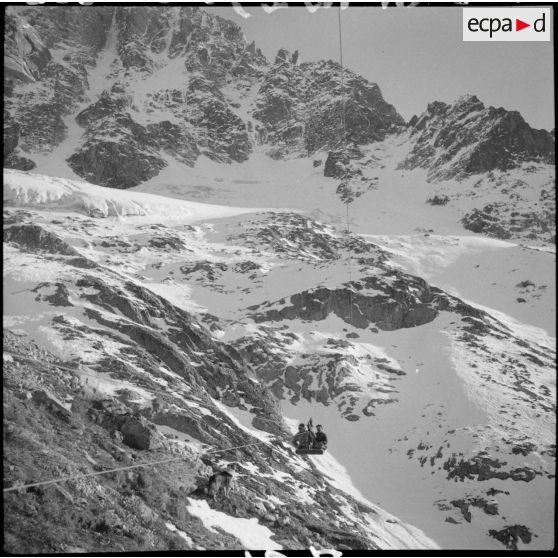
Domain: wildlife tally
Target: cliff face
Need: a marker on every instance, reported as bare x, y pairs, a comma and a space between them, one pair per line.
300, 108
85, 66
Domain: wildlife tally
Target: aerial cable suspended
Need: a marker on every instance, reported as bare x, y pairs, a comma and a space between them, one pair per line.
344, 143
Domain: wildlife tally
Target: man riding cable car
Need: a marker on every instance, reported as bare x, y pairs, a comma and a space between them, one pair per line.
306, 442
303, 439
320, 438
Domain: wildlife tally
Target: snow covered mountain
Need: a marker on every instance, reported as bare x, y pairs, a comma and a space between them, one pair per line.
118, 95
151, 301
144, 375
212, 296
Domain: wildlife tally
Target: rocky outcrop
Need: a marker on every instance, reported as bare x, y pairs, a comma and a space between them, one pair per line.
468, 138
11, 141
338, 163
353, 113
464, 504
111, 162
214, 365
35, 238
223, 136
46, 398
175, 140
500, 220
60, 296
294, 236
11, 134
138, 433
483, 221
304, 108
115, 164
25, 55
511, 535
407, 302
324, 376
105, 159
59, 83
484, 468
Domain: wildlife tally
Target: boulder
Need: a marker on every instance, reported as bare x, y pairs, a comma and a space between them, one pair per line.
49, 400
117, 165
12, 161
140, 434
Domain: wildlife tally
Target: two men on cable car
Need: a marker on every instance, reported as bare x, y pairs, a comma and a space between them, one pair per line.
305, 439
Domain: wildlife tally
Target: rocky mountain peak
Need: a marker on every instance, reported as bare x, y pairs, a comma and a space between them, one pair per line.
468, 102
283, 55
466, 137
177, 62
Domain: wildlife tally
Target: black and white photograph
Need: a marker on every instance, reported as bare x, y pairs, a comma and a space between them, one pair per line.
279, 278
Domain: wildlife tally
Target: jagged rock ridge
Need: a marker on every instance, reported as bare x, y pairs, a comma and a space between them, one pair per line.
467, 138
142, 114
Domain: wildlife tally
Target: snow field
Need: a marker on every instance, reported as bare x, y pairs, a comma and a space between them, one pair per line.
249, 532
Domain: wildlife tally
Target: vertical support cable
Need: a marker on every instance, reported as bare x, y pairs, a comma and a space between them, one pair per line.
344, 144
342, 78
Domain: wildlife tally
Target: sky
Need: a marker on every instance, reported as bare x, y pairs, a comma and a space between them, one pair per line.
415, 54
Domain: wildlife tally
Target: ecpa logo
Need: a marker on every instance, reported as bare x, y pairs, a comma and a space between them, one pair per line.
506, 24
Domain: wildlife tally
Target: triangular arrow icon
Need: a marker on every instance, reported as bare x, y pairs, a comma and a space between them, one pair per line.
519, 25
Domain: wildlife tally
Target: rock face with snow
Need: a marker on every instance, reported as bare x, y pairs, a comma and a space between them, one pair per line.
141, 328
26, 55
130, 377
41, 90
113, 362
197, 72
312, 106
115, 95
468, 138
126, 131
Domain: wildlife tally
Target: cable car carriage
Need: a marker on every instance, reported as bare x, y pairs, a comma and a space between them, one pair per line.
307, 442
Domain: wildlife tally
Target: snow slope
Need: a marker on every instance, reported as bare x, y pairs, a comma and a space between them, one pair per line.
450, 399
448, 423
513, 282
32, 190
127, 245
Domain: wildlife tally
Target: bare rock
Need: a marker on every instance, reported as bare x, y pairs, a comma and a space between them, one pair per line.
140, 434
48, 399
511, 535
35, 238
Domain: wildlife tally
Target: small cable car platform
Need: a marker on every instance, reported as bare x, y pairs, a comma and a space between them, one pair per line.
309, 451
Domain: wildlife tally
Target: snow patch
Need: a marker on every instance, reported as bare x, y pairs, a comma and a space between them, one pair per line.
44, 192
180, 533
249, 532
